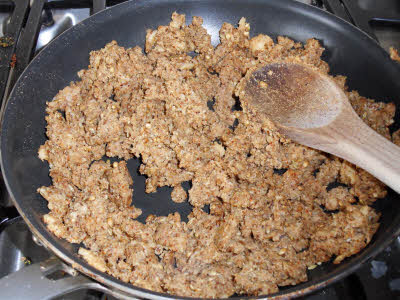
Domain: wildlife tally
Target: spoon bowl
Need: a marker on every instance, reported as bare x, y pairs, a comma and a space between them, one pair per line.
311, 109
295, 95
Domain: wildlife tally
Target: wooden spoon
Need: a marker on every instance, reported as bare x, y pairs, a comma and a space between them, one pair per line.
312, 110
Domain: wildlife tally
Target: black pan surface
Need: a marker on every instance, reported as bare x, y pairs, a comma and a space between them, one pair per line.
348, 51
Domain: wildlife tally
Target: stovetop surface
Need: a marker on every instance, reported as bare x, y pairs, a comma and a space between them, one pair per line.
377, 279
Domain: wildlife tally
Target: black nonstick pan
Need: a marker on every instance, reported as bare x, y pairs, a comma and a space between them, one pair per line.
348, 51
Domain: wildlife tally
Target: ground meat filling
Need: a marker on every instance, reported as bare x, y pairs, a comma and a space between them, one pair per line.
276, 208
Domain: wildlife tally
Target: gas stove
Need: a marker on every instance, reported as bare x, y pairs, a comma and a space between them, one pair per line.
28, 26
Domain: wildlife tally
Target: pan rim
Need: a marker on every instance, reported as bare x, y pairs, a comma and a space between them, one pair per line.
132, 290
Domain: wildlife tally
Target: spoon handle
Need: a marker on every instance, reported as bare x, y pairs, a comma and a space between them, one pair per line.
357, 143
377, 155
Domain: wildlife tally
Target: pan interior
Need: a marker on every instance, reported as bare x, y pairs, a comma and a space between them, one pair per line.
348, 52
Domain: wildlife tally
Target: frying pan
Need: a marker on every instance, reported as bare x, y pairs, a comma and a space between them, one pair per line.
348, 51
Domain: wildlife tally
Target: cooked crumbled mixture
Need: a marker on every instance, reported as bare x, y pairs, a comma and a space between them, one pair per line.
178, 194
273, 211
394, 54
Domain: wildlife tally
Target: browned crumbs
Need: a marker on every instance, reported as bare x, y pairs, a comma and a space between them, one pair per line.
6, 41
264, 228
394, 54
13, 61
